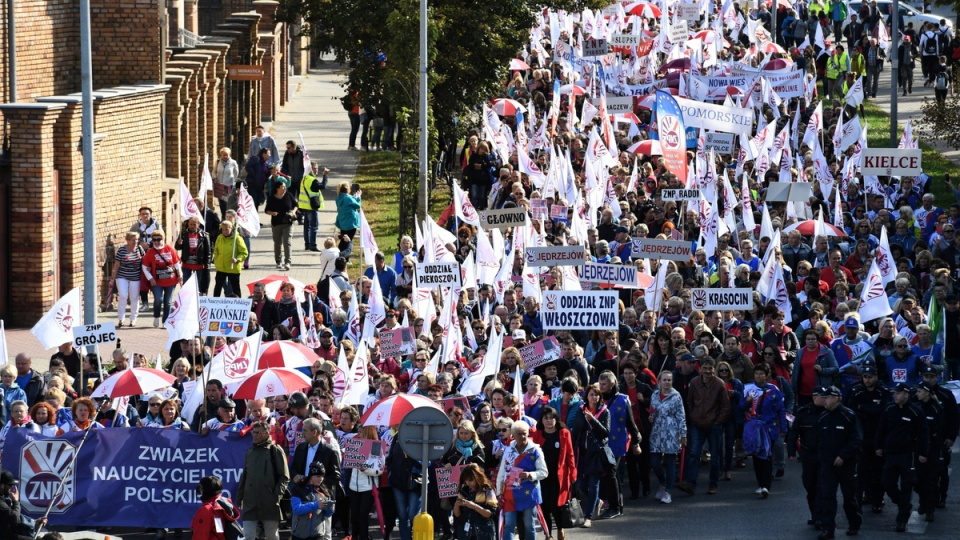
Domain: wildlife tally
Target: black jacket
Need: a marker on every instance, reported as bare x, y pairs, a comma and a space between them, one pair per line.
951, 413
323, 455
903, 429
203, 253
35, 388
9, 519
838, 435
868, 406
804, 429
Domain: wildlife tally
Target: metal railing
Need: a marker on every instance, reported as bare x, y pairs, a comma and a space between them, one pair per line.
186, 38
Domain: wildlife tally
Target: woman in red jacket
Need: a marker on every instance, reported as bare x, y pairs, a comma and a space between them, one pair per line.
557, 445
217, 513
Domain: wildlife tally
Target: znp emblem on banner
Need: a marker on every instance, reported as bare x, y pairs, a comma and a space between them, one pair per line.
44, 465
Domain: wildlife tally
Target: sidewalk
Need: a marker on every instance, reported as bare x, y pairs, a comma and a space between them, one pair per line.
314, 111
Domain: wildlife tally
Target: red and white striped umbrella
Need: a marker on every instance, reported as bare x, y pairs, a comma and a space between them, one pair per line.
577, 90
508, 107
643, 9
648, 147
271, 382
273, 283
771, 47
808, 227
390, 411
133, 382
285, 354
518, 65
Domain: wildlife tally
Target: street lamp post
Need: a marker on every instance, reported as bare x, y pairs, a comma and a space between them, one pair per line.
895, 71
424, 166
89, 201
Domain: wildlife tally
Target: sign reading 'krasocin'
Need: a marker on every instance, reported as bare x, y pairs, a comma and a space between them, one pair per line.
672, 250
721, 299
579, 310
436, 275
555, 256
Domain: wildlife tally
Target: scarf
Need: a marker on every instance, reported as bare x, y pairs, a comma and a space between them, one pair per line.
529, 401
465, 448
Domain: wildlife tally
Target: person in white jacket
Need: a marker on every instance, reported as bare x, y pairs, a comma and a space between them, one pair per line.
360, 485
225, 174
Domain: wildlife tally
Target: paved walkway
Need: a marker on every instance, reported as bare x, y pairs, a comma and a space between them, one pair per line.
314, 111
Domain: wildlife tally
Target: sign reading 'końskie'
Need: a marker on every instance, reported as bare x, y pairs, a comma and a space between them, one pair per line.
580, 310
891, 161
649, 248
721, 299
555, 256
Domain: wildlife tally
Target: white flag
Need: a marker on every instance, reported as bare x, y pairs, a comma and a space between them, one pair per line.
206, 180
230, 366
376, 311
358, 378
367, 241
188, 207
778, 292
854, 95
464, 208
489, 365
873, 300
56, 327
183, 322
883, 259
247, 212
4, 355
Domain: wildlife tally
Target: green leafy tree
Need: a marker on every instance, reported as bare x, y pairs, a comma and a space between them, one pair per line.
941, 122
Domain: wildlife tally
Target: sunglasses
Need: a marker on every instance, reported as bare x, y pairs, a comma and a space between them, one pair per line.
408, 267
503, 430
154, 404
901, 346
768, 354
724, 371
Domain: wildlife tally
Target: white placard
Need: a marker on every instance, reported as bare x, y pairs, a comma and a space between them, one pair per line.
94, 334
679, 32
616, 105
438, 274
227, 317
725, 299
580, 310
891, 162
672, 250
680, 194
595, 47
721, 143
555, 256
614, 274
716, 117
625, 40
504, 219
689, 11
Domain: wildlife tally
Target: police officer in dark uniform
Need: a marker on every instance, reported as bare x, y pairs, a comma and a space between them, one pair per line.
901, 436
951, 425
928, 474
868, 399
839, 439
804, 430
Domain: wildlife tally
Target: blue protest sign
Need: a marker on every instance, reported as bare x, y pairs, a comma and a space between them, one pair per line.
143, 477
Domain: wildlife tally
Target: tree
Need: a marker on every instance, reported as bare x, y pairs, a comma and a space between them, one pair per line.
941, 123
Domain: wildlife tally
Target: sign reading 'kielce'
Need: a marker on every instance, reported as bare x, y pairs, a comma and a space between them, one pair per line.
671, 250
680, 194
580, 310
438, 274
721, 299
504, 219
555, 256
614, 274
891, 161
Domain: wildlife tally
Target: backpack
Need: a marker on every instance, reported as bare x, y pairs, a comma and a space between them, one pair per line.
792, 27
930, 45
943, 42
231, 529
940, 83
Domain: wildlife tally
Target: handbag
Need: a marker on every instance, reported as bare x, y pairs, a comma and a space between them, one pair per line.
571, 514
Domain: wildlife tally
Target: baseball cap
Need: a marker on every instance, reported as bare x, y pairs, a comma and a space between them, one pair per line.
926, 386
518, 334
621, 229
821, 391
852, 322
688, 357
746, 324
926, 368
870, 370
6, 477
951, 299
227, 404
833, 391
326, 332
901, 387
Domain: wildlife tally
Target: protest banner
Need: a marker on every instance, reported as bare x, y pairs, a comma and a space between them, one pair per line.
625, 40
716, 117
580, 310
504, 219
723, 299
612, 274
538, 209
94, 334
678, 32
357, 451
680, 194
558, 212
541, 352
891, 161
689, 11
594, 47
225, 317
720, 143
145, 477
555, 256
672, 250
397, 342
616, 105
448, 481
460, 402
438, 274
786, 85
